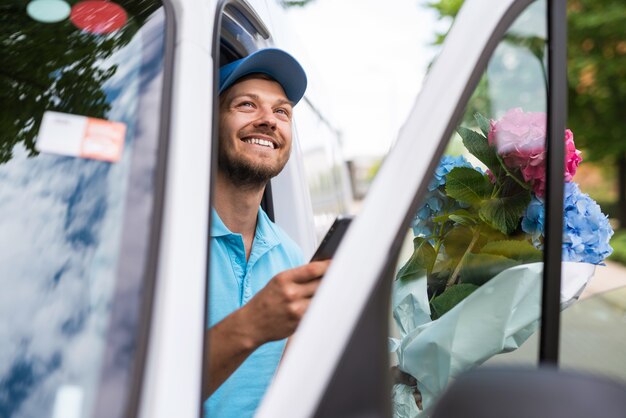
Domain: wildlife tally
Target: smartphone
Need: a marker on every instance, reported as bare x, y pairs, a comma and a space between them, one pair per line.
333, 237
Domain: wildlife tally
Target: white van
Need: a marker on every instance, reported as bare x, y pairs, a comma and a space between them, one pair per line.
106, 172
106, 161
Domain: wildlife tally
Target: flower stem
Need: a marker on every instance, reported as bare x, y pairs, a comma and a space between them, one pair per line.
509, 174
439, 235
469, 248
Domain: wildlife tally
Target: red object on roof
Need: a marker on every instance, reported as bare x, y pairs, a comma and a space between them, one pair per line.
98, 16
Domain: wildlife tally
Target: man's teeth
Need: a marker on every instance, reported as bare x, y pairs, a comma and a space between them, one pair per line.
259, 141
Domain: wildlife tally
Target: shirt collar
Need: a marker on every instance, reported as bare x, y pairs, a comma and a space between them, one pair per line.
218, 229
265, 229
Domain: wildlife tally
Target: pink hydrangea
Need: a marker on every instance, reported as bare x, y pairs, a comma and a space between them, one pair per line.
520, 139
572, 156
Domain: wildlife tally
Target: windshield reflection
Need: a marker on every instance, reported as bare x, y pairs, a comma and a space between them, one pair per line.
62, 217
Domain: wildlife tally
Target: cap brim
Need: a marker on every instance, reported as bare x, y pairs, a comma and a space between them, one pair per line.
276, 63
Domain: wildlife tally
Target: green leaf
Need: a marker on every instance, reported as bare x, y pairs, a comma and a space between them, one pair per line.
468, 185
480, 268
440, 219
489, 233
510, 187
535, 44
438, 279
463, 220
456, 242
460, 216
421, 261
450, 298
514, 249
504, 213
479, 147
483, 123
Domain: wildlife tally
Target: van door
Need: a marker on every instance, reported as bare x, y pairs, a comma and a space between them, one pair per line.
439, 242
84, 88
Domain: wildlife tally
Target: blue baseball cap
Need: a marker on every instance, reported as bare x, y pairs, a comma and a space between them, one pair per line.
276, 63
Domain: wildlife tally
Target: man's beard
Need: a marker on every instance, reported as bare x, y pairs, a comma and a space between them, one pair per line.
245, 173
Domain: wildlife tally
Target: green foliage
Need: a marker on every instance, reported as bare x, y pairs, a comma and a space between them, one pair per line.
474, 231
55, 67
468, 185
456, 241
597, 76
483, 124
373, 170
450, 298
294, 3
420, 263
478, 145
447, 8
475, 243
478, 269
462, 217
504, 213
514, 249
618, 242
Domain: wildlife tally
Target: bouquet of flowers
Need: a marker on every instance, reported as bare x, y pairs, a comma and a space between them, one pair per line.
478, 241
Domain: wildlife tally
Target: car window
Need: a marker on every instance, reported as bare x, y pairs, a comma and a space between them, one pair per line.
326, 175
592, 337
468, 283
80, 90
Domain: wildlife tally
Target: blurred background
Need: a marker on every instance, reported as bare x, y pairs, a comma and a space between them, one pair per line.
373, 57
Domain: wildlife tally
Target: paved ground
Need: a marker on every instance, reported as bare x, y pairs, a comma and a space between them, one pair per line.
608, 277
593, 330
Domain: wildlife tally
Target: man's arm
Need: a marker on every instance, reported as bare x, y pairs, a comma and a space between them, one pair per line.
271, 315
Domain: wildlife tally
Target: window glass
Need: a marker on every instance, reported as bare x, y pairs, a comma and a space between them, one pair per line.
325, 174
592, 337
469, 277
592, 331
80, 92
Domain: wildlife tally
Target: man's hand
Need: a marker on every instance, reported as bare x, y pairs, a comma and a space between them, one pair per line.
272, 314
398, 376
275, 312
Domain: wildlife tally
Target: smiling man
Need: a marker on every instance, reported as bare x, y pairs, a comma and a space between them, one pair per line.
259, 287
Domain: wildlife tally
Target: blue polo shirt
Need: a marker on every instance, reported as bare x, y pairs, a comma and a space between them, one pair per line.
233, 282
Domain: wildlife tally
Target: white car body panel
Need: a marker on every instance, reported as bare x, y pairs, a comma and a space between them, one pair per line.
174, 364
357, 265
172, 378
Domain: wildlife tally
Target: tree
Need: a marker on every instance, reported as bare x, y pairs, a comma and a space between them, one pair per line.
597, 84
294, 3
596, 80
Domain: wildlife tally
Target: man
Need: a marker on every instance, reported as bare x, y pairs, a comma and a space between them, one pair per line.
257, 293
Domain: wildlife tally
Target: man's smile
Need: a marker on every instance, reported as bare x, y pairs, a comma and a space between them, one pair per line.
264, 142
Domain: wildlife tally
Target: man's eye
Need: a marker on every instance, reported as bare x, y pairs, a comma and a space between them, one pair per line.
246, 104
282, 111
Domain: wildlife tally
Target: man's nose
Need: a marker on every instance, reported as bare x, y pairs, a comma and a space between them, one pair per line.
267, 119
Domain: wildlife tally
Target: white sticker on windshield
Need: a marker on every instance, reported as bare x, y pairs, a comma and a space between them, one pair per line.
68, 402
81, 136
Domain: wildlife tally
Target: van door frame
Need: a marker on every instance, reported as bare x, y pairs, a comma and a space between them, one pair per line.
373, 238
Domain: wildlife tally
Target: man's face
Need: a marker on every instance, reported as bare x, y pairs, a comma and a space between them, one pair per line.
255, 131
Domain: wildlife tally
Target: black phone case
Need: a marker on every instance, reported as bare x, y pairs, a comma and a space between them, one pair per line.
331, 240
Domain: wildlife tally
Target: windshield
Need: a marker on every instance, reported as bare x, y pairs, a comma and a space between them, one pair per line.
80, 90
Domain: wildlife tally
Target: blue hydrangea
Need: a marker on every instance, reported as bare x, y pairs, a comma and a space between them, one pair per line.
586, 230
446, 165
436, 200
422, 223
534, 220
